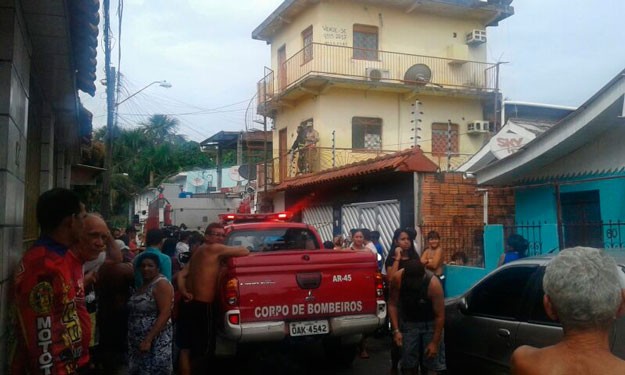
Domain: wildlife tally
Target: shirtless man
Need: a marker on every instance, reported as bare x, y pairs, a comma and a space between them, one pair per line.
197, 283
582, 291
432, 257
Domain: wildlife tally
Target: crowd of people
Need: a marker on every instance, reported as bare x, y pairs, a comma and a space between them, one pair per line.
89, 299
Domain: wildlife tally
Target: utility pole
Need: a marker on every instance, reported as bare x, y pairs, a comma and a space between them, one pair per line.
105, 206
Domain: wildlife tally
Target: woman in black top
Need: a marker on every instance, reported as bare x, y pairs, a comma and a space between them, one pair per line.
402, 252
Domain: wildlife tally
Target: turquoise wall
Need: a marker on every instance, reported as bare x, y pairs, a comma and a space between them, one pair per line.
612, 199
535, 205
461, 278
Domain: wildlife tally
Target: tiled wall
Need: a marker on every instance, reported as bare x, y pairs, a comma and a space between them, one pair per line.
14, 101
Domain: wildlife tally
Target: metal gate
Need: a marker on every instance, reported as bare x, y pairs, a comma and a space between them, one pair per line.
381, 216
321, 218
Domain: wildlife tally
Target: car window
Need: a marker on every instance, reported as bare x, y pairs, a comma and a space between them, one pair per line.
502, 293
273, 239
537, 313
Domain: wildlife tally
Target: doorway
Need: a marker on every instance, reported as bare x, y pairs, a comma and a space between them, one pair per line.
581, 219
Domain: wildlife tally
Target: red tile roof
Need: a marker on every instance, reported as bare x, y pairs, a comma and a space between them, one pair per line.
411, 160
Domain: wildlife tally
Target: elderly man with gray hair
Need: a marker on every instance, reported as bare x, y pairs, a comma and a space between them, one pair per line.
583, 292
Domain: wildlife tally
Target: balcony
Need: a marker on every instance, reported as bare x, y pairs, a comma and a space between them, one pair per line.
306, 161
317, 66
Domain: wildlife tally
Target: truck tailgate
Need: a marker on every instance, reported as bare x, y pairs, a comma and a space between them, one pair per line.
304, 285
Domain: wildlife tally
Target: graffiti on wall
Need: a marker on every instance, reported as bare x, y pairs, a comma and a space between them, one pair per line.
334, 35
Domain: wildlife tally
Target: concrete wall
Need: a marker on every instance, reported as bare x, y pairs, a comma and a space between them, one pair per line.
398, 31
461, 278
334, 111
14, 101
538, 205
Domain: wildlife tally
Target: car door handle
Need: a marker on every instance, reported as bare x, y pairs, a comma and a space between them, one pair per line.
502, 332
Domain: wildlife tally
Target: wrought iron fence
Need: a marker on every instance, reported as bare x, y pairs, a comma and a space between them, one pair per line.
609, 235
456, 239
344, 62
531, 231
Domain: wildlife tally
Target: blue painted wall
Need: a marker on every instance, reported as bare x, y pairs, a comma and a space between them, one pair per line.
611, 196
461, 278
535, 205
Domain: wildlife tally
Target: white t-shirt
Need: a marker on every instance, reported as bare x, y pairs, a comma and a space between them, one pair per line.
181, 247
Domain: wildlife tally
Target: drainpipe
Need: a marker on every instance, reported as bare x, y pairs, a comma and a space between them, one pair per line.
416, 193
485, 204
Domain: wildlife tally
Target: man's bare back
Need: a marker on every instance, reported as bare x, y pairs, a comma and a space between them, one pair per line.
204, 267
564, 359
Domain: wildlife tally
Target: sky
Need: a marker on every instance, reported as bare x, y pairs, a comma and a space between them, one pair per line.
556, 52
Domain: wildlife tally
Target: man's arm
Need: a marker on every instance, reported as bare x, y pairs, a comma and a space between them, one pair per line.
436, 295
393, 311
230, 251
181, 281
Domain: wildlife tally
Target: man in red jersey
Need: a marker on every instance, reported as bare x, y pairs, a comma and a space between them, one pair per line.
48, 337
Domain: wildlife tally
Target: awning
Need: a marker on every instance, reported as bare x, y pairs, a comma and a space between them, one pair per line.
405, 161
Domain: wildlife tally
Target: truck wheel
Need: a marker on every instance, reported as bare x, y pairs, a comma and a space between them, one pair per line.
340, 354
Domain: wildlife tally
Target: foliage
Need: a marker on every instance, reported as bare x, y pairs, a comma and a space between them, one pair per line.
148, 154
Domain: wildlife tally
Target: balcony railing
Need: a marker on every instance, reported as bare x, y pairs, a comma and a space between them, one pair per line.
311, 160
339, 62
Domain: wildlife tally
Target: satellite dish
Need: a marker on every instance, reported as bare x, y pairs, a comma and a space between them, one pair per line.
235, 175
248, 173
418, 74
197, 182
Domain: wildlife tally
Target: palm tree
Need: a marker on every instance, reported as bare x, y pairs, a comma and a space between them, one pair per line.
161, 128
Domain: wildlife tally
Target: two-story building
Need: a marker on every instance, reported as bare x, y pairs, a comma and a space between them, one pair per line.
352, 80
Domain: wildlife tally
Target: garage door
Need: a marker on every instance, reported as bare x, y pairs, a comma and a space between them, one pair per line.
321, 218
381, 216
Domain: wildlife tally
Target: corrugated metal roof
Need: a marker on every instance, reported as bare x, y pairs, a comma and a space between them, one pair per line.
411, 160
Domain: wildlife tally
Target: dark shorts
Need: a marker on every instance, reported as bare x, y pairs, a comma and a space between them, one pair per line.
195, 328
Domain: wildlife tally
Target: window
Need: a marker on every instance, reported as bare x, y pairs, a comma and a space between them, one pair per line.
440, 139
365, 42
501, 295
367, 133
274, 239
307, 39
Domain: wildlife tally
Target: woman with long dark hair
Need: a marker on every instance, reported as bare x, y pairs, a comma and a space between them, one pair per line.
400, 254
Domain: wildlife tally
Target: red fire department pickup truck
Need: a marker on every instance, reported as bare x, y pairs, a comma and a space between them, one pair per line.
289, 287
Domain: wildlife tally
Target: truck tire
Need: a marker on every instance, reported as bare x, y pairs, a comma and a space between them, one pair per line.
339, 353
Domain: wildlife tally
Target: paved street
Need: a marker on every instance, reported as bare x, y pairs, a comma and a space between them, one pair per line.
309, 359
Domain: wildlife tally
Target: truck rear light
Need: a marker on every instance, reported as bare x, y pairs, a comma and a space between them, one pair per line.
379, 285
234, 319
231, 293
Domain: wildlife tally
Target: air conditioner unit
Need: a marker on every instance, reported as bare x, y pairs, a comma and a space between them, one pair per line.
375, 74
478, 127
476, 37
